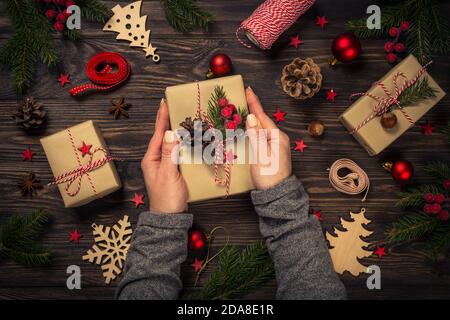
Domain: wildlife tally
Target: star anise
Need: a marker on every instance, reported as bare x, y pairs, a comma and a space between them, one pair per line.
119, 107
29, 184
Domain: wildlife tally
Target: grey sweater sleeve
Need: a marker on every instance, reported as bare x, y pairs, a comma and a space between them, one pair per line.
295, 241
158, 247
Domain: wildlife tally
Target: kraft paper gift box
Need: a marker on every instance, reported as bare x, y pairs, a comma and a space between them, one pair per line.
63, 156
182, 102
372, 136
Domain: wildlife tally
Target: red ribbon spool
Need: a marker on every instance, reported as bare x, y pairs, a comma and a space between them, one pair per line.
100, 71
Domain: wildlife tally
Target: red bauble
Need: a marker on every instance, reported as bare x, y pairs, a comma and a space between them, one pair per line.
401, 170
196, 239
220, 65
346, 47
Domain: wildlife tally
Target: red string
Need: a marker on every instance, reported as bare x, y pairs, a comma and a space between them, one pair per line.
271, 19
100, 71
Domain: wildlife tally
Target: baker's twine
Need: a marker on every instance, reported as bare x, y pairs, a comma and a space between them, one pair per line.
353, 183
100, 71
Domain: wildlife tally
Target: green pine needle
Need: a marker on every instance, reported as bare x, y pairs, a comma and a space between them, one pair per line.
438, 170
93, 10
438, 243
17, 239
446, 132
184, 15
417, 93
238, 273
410, 227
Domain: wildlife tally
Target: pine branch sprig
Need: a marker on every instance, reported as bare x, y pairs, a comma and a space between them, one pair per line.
411, 227
437, 170
414, 197
184, 15
438, 244
446, 132
94, 10
418, 92
214, 110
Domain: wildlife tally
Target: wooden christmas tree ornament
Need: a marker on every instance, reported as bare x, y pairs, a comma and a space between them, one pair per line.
130, 25
348, 246
110, 247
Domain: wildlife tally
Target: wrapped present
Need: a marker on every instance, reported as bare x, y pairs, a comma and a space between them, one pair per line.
390, 100
206, 181
82, 167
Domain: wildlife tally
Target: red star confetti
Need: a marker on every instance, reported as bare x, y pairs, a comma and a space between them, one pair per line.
197, 265
28, 155
318, 214
85, 149
279, 115
321, 21
300, 145
380, 251
331, 95
137, 199
427, 128
295, 41
75, 236
64, 79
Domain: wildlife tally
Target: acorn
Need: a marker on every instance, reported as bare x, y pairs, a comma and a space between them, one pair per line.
316, 128
388, 120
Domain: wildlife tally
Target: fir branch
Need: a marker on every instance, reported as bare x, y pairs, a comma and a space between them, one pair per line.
438, 243
414, 197
237, 273
411, 227
417, 93
17, 239
214, 110
184, 15
72, 34
438, 170
94, 10
446, 132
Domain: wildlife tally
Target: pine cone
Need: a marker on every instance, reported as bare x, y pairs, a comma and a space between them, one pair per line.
301, 79
188, 124
30, 115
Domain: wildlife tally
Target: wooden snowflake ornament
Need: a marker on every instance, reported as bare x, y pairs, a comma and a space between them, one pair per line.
348, 246
110, 248
130, 25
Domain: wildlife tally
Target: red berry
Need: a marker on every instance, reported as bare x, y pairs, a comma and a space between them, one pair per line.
50, 14
439, 198
58, 26
226, 112
443, 215
61, 17
391, 57
399, 47
404, 26
447, 184
59, 2
428, 197
223, 102
393, 31
232, 107
237, 119
389, 46
436, 208
231, 125
69, 3
428, 208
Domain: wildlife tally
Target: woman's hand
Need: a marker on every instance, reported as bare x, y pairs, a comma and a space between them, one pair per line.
165, 186
271, 143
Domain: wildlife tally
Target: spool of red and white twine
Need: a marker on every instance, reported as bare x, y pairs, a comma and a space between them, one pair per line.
270, 20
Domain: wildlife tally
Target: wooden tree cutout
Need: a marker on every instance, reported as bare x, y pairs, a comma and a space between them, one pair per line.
348, 246
110, 248
130, 25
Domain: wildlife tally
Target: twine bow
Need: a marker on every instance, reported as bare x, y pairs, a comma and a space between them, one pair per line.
391, 99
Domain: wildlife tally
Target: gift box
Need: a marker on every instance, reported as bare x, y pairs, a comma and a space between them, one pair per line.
81, 164
183, 101
362, 118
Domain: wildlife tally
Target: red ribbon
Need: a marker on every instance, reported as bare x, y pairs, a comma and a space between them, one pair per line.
100, 71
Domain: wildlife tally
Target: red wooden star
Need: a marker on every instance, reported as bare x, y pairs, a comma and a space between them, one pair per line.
137, 199
318, 214
85, 149
295, 41
427, 128
279, 115
321, 21
197, 265
63, 79
380, 251
331, 95
300, 145
28, 155
75, 236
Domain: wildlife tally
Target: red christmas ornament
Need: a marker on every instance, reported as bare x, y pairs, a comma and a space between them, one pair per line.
401, 170
345, 47
196, 239
219, 66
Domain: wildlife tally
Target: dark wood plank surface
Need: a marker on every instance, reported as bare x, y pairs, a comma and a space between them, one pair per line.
406, 271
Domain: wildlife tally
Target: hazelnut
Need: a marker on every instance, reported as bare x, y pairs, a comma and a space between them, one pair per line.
388, 120
316, 128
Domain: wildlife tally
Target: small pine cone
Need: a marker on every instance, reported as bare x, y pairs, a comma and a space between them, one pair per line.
188, 124
30, 115
301, 79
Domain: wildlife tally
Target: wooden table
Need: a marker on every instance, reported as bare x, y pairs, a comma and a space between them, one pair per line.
406, 271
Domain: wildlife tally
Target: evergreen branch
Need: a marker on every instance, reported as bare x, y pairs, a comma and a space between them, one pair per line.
237, 273
184, 15
411, 227
417, 93
94, 10
414, 197
214, 110
437, 170
73, 34
438, 243
446, 132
